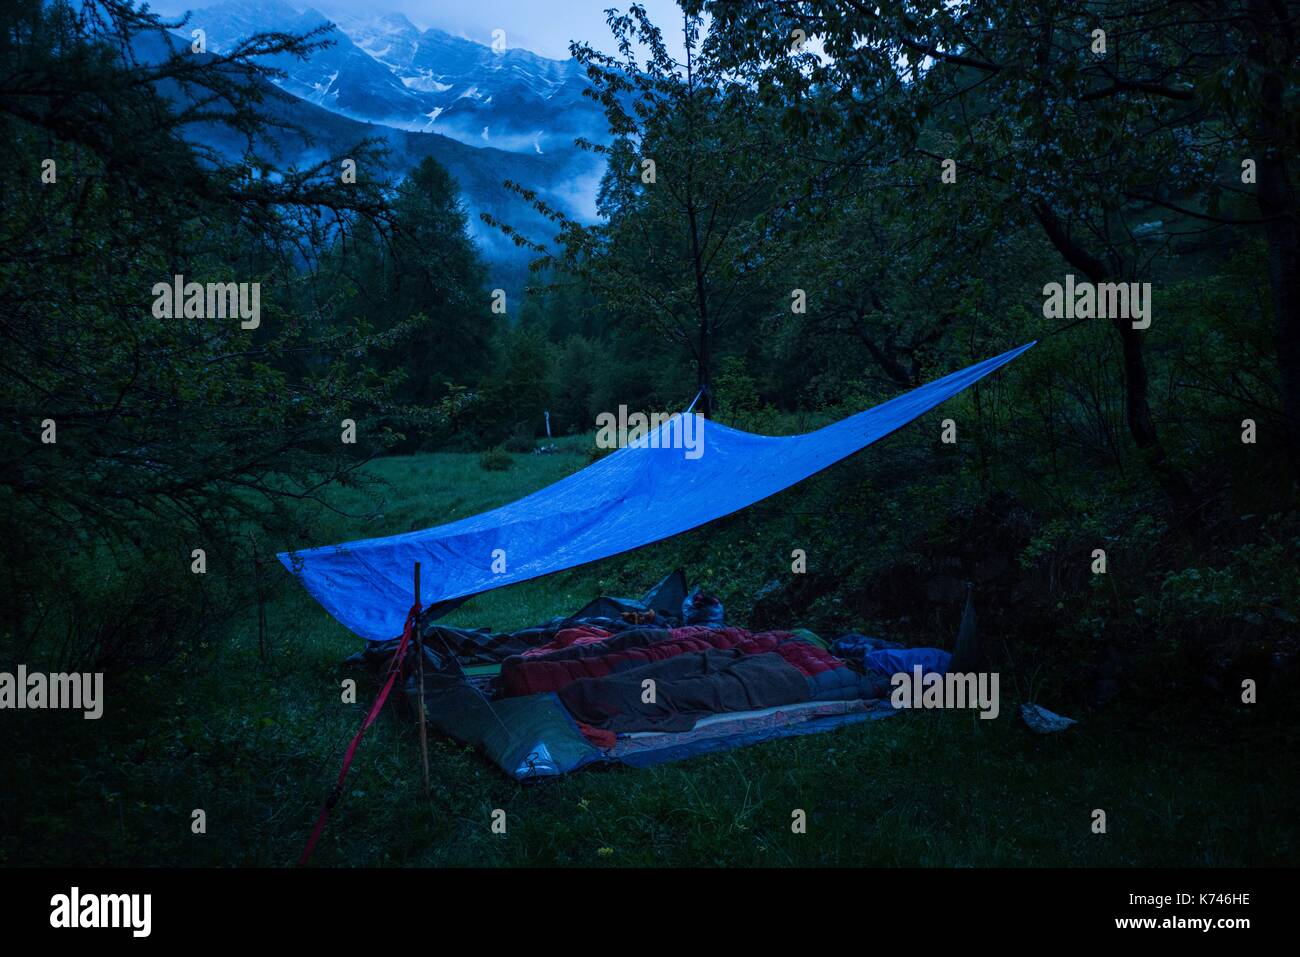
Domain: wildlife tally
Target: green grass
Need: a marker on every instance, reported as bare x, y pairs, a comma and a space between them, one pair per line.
256, 746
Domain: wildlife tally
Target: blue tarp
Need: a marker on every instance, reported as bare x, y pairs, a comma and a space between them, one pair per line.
632, 497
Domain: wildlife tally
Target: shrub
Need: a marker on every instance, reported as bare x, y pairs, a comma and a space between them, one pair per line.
520, 439
495, 460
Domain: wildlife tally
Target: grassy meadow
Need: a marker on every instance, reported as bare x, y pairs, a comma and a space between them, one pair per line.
256, 745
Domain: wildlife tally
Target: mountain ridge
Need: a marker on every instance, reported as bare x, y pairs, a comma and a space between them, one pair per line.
567, 179
384, 69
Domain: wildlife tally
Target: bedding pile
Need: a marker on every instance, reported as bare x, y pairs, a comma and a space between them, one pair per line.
643, 681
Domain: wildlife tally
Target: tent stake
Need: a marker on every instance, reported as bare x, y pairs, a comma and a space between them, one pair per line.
419, 664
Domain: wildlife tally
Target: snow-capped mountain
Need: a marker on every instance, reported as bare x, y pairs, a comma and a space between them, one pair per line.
384, 69
341, 77
511, 98
486, 116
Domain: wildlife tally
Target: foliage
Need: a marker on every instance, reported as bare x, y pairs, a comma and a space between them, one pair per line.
421, 288
696, 213
494, 460
139, 435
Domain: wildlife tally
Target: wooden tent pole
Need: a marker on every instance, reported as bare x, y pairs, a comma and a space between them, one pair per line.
419, 653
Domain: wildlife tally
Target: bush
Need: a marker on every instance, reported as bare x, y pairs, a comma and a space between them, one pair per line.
520, 439
495, 460
128, 607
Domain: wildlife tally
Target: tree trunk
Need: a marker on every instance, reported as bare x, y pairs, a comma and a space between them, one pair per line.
1277, 202
705, 405
1137, 405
